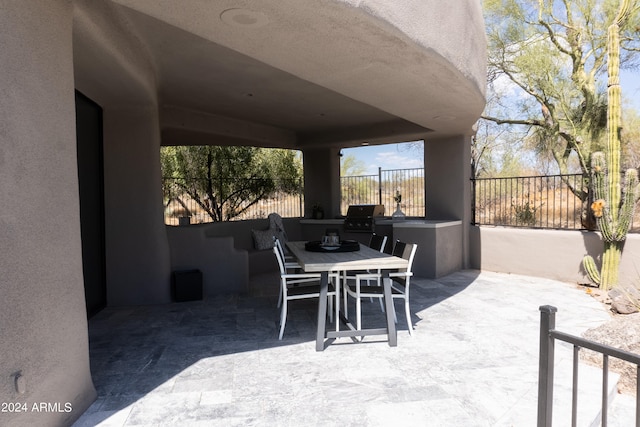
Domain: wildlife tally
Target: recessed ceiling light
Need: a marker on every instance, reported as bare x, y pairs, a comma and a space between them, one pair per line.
244, 18
365, 143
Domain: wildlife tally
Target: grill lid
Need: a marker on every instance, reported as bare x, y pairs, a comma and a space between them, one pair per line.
361, 217
365, 211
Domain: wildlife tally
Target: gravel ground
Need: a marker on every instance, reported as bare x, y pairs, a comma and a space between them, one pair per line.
623, 332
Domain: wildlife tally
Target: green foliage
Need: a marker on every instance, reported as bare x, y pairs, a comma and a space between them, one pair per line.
226, 181
525, 213
351, 166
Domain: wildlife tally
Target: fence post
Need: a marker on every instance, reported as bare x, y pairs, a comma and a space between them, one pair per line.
379, 185
473, 199
545, 370
301, 198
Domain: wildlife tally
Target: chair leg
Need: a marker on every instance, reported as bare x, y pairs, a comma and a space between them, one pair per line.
408, 314
378, 283
358, 312
344, 296
283, 317
337, 297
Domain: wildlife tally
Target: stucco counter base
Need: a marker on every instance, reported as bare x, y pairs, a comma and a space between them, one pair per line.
439, 245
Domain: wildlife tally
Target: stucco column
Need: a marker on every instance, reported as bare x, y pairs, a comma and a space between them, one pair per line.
322, 180
448, 189
43, 320
137, 249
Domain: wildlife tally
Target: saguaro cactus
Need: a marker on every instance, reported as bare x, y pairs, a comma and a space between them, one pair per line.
613, 206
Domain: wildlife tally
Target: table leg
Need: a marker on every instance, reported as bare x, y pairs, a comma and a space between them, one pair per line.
338, 279
389, 309
322, 310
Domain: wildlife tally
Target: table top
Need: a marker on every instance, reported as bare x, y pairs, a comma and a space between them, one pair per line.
344, 261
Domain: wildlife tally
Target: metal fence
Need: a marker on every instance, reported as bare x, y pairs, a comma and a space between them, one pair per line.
187, 200
529, 201
383, 188
534, 202
548, 337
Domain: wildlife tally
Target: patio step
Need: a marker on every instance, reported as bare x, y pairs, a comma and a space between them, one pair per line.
589, 411
622, 411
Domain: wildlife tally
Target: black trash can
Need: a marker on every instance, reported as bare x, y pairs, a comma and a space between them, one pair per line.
186, 285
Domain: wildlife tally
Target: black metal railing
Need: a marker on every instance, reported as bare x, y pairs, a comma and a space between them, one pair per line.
383, 188
549, 202
546, 202
548, 336
529, 201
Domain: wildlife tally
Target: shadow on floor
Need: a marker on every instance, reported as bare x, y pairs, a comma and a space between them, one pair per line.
135, 350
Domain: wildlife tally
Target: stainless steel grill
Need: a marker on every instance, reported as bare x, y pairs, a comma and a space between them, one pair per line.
362, 217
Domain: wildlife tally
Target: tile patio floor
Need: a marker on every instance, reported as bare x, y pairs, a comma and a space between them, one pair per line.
473, 360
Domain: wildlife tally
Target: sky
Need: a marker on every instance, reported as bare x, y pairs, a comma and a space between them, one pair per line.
630, 84
402, 156
388, 156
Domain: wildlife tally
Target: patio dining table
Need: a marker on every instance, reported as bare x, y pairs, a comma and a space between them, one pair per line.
335, 261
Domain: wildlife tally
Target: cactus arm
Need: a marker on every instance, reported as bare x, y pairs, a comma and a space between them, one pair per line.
600, 206
630, 189
599, 175
591, 269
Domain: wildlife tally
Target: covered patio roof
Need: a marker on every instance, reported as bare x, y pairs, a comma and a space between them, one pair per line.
295, 74
310, 75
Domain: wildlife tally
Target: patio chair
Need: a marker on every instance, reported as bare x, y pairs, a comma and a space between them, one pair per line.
400, 281
289, 261
295, 286
378, 243
290, 264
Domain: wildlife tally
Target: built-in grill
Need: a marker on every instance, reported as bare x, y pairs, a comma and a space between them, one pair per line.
362, 217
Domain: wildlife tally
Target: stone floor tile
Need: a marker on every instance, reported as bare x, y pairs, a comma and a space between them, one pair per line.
472, 361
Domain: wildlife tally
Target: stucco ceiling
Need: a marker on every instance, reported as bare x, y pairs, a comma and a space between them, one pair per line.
297, 73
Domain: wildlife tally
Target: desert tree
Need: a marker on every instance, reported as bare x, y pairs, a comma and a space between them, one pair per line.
225, 181
553, 54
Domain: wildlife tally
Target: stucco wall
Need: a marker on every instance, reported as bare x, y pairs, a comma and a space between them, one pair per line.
322, 181
43, 325
224, 252
553, 254
464, 48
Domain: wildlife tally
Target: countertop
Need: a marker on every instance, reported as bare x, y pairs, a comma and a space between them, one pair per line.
402, 223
